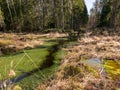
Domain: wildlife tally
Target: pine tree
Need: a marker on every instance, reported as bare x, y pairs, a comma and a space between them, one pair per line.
38, 15
105, 15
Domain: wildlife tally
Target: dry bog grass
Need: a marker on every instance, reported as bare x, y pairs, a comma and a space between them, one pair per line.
74, 75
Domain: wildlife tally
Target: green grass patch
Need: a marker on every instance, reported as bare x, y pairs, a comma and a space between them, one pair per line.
22, 62
25, 61
29, 60
33, 81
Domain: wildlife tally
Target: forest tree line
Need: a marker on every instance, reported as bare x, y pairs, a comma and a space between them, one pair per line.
39, 15
105, 13
61, 15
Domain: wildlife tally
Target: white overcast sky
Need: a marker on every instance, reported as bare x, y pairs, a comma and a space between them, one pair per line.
89, 4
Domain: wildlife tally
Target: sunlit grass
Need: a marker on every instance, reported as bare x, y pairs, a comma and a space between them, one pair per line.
21, 62
28, 60
24, 61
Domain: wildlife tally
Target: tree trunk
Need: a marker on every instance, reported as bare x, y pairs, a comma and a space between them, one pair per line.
62, 11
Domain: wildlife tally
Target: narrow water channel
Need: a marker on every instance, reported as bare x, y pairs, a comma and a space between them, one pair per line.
48, 62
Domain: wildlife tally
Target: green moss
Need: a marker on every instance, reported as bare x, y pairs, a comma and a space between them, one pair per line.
112, 68
93, 71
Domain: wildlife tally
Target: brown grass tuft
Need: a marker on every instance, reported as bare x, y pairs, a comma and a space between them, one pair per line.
74, 75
